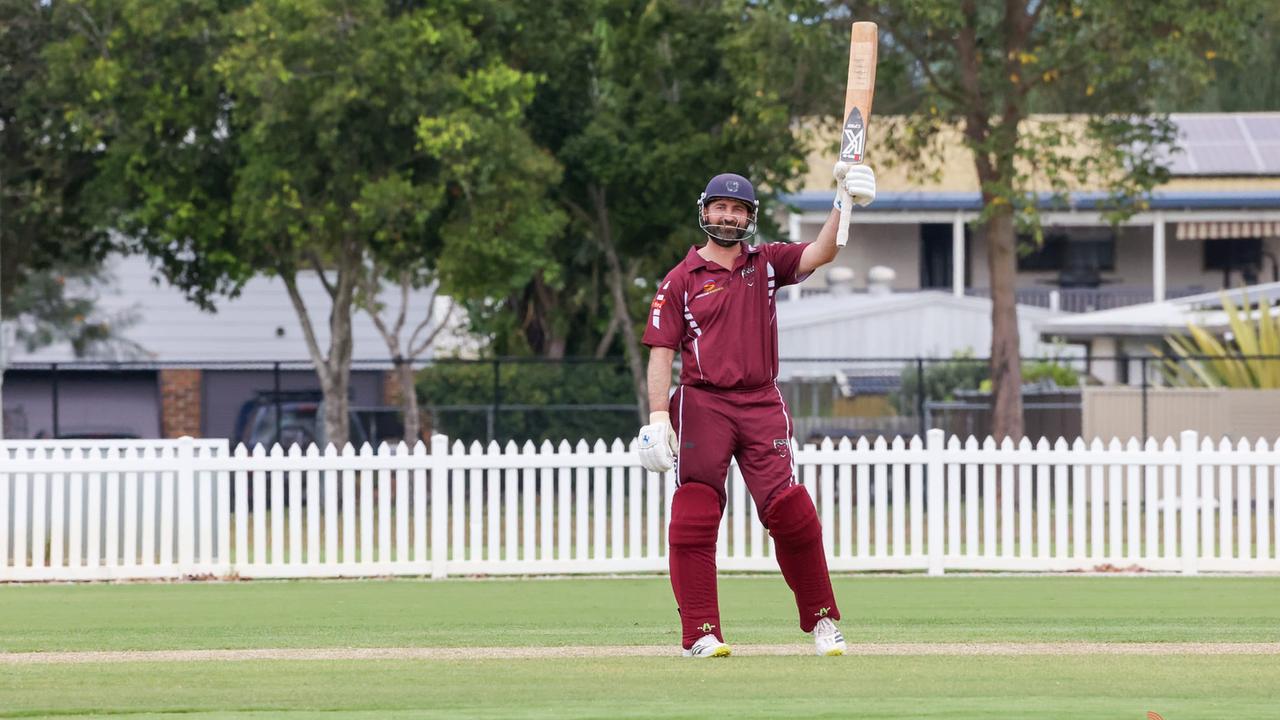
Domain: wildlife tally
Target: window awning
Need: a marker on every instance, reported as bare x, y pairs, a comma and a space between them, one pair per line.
1227, 230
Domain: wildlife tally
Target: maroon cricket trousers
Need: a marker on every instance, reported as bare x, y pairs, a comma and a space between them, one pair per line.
753, 426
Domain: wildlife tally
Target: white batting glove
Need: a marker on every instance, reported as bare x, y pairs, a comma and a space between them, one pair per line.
840, 169
657, 443
860, 182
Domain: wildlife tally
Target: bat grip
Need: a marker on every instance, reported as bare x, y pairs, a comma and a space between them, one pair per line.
842, 230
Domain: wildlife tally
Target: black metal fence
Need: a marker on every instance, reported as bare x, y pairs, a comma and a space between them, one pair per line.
501, 399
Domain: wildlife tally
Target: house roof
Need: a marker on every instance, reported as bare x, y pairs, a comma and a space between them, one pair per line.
866, 334
159, 324
811, 200
1155, 319
1231, 158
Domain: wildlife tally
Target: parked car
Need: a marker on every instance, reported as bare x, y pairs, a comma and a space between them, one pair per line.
301, 421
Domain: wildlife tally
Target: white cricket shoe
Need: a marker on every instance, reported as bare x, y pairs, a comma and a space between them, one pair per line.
827, 639
708, 646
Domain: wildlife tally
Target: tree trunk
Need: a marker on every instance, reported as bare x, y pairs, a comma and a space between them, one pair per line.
408, 401
337, 386
334, 368
1006, 363
618, 283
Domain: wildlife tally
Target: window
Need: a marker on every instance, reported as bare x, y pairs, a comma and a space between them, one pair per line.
1232, 254
1092, 252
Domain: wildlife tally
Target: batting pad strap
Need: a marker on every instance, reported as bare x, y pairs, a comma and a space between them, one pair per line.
793, 521
695, 516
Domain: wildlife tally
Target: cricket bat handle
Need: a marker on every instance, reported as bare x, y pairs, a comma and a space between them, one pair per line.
842, 231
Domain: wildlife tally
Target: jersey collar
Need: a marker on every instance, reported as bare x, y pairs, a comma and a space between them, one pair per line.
694, 261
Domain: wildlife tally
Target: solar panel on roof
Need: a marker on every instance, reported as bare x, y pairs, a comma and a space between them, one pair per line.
1263, 128
1227, 144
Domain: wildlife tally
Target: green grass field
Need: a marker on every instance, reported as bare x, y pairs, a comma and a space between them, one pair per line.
490, 614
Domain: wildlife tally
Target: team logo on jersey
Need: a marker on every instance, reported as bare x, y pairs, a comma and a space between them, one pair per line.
749, 274
707, 289
782, 446
658, 303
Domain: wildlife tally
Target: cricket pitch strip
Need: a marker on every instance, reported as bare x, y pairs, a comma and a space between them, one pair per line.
613, 651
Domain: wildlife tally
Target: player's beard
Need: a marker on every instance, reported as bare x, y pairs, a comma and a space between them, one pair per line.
732, 235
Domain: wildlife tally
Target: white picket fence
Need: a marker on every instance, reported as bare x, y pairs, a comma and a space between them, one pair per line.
183, 508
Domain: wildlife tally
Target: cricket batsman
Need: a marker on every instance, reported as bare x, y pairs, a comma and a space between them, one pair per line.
717, 308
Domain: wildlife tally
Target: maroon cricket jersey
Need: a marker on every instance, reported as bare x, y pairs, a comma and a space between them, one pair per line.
724, 322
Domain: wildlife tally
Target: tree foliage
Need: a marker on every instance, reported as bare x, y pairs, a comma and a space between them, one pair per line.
344, 138
641, 101
982, 68
51, 249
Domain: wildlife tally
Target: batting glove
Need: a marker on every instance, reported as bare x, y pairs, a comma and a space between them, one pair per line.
840, 169
657, 443
860, 182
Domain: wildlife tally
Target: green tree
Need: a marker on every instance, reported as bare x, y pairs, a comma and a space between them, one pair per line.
984, 67
642, 101
290, 136
47, 242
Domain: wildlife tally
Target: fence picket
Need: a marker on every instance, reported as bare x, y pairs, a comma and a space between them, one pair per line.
1025, 512
881, 502
528, 493
420, 532
635, 479
898, 501
6, 485
972, 501
1262, 504
564, 500
617, 489
511, 519
546, 491
94, 520
1169, 497
954, 502
599, 508
350, 508
21, 494
48, 497
1133, 505
385, 521
132, 499
367, 480
493, 550
826, 499
863, 502
314, 500
1244, 506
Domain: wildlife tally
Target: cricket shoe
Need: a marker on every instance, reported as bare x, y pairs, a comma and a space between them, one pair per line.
708, 646
827, 639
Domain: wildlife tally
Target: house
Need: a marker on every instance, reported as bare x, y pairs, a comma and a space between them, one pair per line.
869, 340
175, 369
1117, 340
1215, 224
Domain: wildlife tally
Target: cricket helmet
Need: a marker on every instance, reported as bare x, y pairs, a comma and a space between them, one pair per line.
733, 187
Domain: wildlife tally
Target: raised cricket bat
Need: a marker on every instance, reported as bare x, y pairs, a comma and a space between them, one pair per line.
858, 93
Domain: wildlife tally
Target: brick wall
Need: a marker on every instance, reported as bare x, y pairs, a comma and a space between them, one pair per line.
390, 388
180, 403
391, 398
